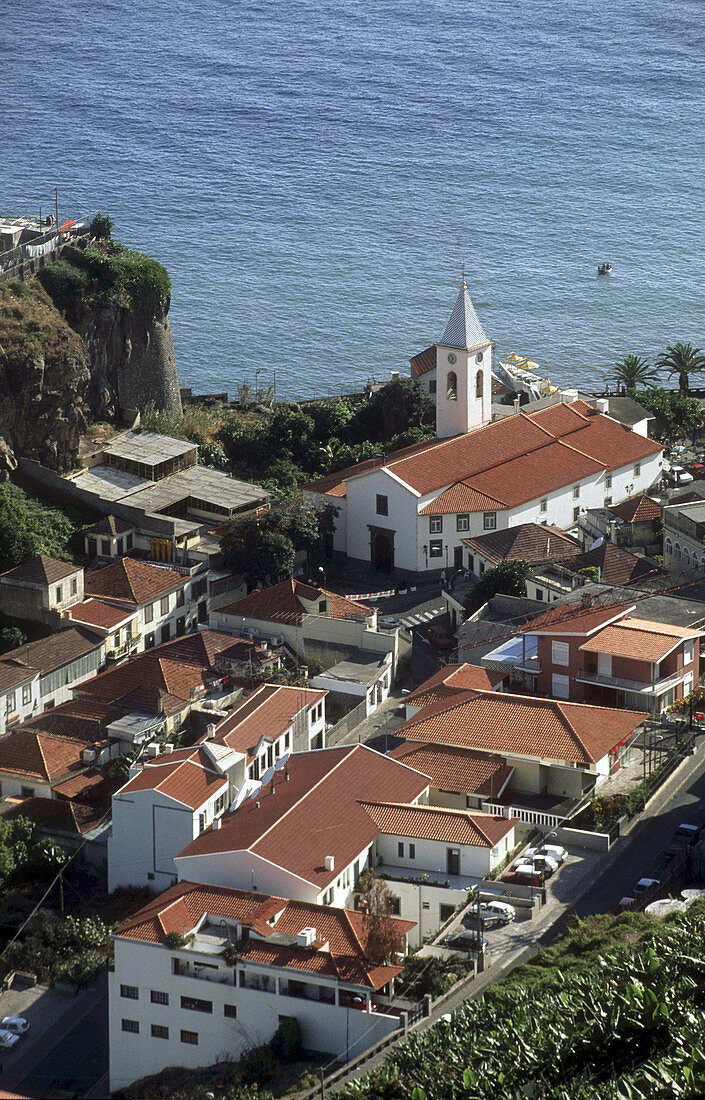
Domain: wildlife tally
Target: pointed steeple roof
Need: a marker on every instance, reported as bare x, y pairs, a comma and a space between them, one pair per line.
464, 330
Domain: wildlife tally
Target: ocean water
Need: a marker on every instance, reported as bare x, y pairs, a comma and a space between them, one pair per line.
313, 174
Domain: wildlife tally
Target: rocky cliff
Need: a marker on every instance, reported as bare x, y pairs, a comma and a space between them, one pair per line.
89, 336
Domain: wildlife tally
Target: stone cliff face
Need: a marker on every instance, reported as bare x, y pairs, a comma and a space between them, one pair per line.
90, 336
44, 379
132, 360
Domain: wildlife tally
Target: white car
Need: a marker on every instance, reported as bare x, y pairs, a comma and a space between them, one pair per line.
540, 863
8, 1039
553, 850
502, 910
17, 1024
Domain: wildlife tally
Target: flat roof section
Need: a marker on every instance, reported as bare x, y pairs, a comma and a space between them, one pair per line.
147, 447
109, 483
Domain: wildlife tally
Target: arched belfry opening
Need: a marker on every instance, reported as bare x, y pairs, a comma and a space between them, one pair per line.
452, 386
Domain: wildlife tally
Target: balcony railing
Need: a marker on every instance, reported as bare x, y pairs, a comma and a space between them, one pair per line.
205, 973
641, 687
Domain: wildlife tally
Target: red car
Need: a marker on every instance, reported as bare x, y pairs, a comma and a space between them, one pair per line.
441, 637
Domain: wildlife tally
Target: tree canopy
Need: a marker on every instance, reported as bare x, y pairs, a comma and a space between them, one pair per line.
675, 413
264, 548
683, 360
634, 371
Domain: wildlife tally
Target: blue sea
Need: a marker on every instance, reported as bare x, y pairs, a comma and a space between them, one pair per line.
313, 174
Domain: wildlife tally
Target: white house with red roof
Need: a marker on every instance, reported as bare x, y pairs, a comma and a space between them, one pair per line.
190, 1006
172, 796
409, 511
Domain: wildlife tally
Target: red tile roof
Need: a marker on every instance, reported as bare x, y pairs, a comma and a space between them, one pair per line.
39, 755
339, 950
99, 613
515, 459
637, 509
434, 823
532, 542
315, 814
56, 650
110, 525
267, 712
132, 582
90, 787
639, 639
461, 498
41, 570
284, 603
423, 362
54, 815
148, 670
454, 769
585, 620
452, 679
190, 779
523, 726
617, 566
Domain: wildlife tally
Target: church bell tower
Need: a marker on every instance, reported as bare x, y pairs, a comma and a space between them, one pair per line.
463, 371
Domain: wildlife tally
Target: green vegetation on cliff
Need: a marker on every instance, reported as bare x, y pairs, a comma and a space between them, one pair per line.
29, 527
107, 269
616, 1008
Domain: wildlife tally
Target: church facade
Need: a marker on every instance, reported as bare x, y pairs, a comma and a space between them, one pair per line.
408, 512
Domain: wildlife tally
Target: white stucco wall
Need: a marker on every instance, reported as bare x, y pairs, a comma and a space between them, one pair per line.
148, 830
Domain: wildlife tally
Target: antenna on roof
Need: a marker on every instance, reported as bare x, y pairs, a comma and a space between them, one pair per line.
269, 774
282, 762
256, 791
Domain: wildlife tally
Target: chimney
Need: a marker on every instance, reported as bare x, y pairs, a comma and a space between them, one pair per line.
517, 404
210, 731
168, 748
216, 822
257, 804
153, 749
329, 863
394, 374
602, 405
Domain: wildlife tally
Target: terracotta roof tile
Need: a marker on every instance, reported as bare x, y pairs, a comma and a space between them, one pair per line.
532, 542
190, 779
314, 814
639, 639
39, 755
99, 613
435, 823
89, 787
617, 566
150, 671
132, 582
54, 651
461, 497
637, 509
267, 712
524, 726
455, 769
340, 945
54, 815
573, 619
451, 680
509, 458
423, 362
41, 570
287, 602
111, 526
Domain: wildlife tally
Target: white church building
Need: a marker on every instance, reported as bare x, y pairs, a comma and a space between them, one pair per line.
408, 512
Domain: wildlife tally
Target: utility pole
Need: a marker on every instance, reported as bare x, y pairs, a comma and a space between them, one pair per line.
61, 891
56, 189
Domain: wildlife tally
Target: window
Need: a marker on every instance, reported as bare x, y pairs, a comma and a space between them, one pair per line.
576, 514
489, 521
11, 701
678, 550
560, 686
158, 998
59, 593
180, 598
159, 1031
435, 548
462, 522
165, 633
105, 547
131, 1025
478, 384
412, 851
435, 525
201, 823
669, 546
539, 593
452, 386
637, 469
608, 501
128, 542
688, 653
425, 904
321, 607
576, 492
195, 1004
189, 1037
130, 991
382, 504
164, 605
27, 694
230, 1011
560, 653
432, 386
74, 586
400, 850
149, 613
544, 505
27, 792
608, 481
149, 641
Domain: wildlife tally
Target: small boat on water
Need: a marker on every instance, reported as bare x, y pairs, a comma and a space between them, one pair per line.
604, 269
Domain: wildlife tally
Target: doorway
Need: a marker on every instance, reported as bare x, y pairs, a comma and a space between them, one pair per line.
453, 861
382, 553
458, 557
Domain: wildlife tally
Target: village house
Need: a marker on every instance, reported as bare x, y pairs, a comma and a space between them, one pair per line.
190, 1005
31, 763
557, 753
172, 796
603, 656
312, 622
634, 523
40, 675
41, 589
409, 512
606, 563
684, 537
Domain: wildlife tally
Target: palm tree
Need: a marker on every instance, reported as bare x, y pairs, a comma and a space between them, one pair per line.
681, 359
633, 371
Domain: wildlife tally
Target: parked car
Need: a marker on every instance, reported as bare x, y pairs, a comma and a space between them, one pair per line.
543, 864
505, 912
16, 1024
553, 850
528, 874
645, 884
678, 475
441, 637
465, 941
691, 833
387, 620
8, 1039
